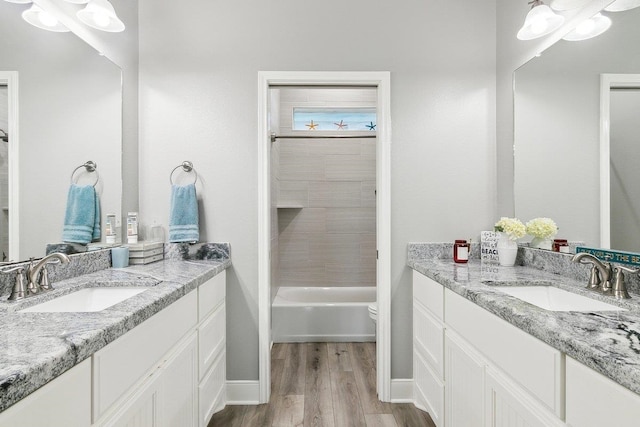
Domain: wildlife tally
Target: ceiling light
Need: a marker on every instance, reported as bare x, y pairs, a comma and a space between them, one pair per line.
589, 28
539, 22
100, 14
622, 5
40, 18
563, 5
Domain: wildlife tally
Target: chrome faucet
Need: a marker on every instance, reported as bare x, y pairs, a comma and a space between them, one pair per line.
602, 276
37, 275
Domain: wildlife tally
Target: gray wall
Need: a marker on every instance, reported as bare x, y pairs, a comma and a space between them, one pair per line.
198, 101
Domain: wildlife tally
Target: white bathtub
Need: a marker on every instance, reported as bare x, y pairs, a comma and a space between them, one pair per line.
331, 314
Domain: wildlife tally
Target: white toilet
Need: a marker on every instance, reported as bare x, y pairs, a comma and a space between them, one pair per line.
373, 311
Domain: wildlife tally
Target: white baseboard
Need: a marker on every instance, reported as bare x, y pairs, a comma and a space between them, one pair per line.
243, 392
402, 391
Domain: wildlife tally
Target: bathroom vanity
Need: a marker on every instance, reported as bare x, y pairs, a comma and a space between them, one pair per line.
157, 358
483, 357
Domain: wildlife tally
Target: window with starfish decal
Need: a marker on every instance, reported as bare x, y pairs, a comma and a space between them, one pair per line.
329, 119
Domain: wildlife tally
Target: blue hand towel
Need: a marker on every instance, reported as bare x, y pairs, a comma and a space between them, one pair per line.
183, 218
82, 217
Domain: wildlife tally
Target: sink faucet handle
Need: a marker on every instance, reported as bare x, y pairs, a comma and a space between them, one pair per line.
19, 290
619, 287
594, 278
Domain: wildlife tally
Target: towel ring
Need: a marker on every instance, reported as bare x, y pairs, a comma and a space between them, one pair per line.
186, 166
90, 166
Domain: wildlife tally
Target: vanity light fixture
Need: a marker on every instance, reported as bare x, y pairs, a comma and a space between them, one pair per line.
622, 5
589, 28
40, 18
101, 15
539, 22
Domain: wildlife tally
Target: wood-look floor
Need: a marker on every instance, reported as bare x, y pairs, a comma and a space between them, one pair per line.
323, 384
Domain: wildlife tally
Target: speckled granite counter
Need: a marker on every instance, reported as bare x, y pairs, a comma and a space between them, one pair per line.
608, 342
37, 347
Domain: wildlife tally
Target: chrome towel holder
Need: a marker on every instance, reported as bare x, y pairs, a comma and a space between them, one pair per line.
90, 166
187, 167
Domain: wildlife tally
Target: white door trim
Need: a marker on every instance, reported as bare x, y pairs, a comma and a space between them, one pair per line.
608, 81
10, 78
381, 80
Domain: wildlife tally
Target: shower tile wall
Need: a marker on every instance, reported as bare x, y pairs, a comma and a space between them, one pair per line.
329, 240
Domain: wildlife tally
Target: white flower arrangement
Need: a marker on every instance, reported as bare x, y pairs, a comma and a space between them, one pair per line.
512, 227
542, 228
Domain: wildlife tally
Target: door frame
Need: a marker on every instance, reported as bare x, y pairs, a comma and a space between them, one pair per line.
607, 82
10, 78
380, 80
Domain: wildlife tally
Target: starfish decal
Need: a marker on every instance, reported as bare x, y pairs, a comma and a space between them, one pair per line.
371, 126
312, 126
341, 125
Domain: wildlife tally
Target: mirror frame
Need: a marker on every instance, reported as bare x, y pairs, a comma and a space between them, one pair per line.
607, 82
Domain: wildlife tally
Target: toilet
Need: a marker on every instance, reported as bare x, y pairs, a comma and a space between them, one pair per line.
373, 311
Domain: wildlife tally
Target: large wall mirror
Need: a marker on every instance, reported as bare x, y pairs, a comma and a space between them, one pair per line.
68, 110
557, 148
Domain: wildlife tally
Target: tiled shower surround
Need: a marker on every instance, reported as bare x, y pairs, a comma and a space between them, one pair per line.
325, 189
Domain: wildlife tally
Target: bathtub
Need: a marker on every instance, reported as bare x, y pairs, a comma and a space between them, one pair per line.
331, 314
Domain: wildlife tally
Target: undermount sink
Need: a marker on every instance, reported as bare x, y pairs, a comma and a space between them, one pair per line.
86, 300
556, 299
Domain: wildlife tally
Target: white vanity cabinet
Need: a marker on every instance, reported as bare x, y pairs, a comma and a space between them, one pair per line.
593, 400
211, 348
428, 346
494, 374
168, 371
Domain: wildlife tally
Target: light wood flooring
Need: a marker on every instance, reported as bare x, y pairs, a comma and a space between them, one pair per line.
323, 384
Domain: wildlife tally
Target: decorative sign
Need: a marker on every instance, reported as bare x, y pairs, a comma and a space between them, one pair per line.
612, 256
489, 247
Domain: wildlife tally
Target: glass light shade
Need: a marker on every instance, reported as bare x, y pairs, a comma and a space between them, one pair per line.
563, 5
18, 1
100, 15
77, 1
589, 28
539, 22
622, 5
40, 18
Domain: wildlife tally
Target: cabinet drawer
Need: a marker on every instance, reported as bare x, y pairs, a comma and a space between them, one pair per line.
211, 341
428, 336
594, 400
211, 293
65, 401
535, 365
122, 363
429, 293
428, 390
212, 394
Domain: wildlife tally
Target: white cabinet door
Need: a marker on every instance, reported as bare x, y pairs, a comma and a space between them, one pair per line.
464, 378
65, 401
180, 385
594, 400
508, 405
140, 409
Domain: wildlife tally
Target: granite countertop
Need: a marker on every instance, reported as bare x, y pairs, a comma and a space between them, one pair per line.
37, 347
606, 341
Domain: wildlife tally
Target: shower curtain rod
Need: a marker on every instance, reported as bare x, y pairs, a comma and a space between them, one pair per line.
274, 136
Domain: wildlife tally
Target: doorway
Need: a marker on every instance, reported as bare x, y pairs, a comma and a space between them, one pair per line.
381, 82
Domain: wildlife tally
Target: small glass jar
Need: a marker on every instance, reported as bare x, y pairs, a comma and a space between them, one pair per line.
560, 245
461, 251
